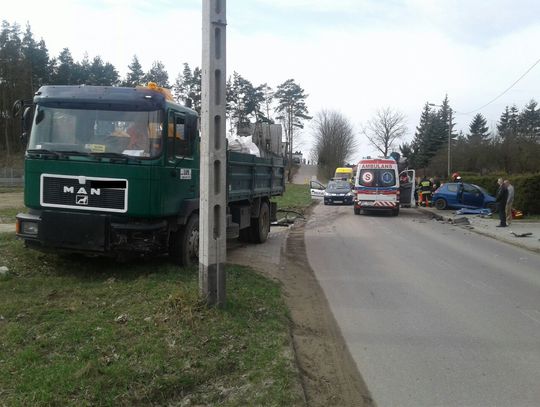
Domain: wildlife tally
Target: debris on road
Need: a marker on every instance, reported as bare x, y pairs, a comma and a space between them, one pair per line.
286, 221
526, 234
461, 221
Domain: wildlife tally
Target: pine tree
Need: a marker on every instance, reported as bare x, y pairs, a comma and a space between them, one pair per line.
187, 87
244, 102
421, 150
478, 130
84, 71
64, 70
293, 111
513, 120
268, 98
36, 61
529, 121
158, 74
102, 74
443, 127
504, 123
12, 83
135, 75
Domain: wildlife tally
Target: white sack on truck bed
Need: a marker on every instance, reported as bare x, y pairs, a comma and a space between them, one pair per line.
243, 145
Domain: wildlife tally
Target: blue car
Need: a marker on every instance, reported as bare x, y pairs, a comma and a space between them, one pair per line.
456, 195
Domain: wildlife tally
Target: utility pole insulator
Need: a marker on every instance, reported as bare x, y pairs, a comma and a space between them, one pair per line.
213, 188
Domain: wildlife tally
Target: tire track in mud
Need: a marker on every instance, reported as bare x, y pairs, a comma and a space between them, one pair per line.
328, 372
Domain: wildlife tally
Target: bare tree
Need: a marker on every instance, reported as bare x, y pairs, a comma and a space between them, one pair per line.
384, 129
334, 141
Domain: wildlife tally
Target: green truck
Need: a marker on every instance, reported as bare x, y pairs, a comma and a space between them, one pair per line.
114, 171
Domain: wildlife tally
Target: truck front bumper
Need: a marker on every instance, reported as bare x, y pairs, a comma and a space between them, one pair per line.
90, 233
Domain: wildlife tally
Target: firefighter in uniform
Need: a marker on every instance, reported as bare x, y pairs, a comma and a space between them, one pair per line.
425, 192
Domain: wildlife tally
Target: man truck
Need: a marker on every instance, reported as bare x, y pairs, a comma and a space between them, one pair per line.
114, 171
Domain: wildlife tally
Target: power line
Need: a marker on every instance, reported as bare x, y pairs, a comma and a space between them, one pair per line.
506, 90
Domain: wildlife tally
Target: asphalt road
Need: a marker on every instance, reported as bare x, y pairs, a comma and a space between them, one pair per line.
434, 315
305, 174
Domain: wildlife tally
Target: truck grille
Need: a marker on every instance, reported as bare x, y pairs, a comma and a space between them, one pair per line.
85, 193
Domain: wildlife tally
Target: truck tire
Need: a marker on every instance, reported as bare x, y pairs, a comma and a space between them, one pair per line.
184, 243
357, 211
260, 226
395, 212
245, 235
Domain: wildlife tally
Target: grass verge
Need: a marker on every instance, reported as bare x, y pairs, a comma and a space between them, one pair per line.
92, 332
295, 197
7, 215
4, 189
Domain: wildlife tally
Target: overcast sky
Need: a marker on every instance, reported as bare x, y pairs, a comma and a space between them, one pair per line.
354, 56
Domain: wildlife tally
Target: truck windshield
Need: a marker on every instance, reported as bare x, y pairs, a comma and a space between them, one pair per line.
86, 131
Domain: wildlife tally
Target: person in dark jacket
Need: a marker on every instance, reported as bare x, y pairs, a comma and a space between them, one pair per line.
501, 198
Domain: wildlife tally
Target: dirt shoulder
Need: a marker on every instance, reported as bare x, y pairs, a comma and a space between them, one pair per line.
328, 374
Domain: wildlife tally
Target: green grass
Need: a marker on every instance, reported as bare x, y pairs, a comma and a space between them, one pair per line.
10, 189
295, 197
92, 332
7, 215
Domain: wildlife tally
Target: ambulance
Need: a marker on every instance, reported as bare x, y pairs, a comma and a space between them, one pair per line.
379, 186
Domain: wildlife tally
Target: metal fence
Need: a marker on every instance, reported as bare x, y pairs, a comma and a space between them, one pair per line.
11, 176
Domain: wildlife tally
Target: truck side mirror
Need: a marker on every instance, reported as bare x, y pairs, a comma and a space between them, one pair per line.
17, 108
26, 124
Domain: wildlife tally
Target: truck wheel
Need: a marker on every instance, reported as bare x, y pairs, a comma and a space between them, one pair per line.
395, 212
357, 211
245, 235
184, 244
440, 204
260, 227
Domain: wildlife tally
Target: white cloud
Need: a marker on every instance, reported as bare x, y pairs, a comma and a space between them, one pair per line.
352, 56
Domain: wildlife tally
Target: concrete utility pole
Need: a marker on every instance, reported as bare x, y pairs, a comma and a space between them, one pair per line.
213, 190
449, 141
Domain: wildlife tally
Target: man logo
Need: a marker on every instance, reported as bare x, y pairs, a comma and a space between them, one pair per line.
81, 200
82, 190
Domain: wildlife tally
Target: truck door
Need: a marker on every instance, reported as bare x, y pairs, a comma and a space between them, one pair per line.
406, 188
182, 163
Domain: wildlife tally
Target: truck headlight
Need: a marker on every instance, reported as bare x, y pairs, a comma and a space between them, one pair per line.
29, 228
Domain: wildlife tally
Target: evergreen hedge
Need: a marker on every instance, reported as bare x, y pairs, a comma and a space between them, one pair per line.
526, 187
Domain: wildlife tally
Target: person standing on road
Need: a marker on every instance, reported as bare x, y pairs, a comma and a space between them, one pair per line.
425, 192
501, 198
509, 201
